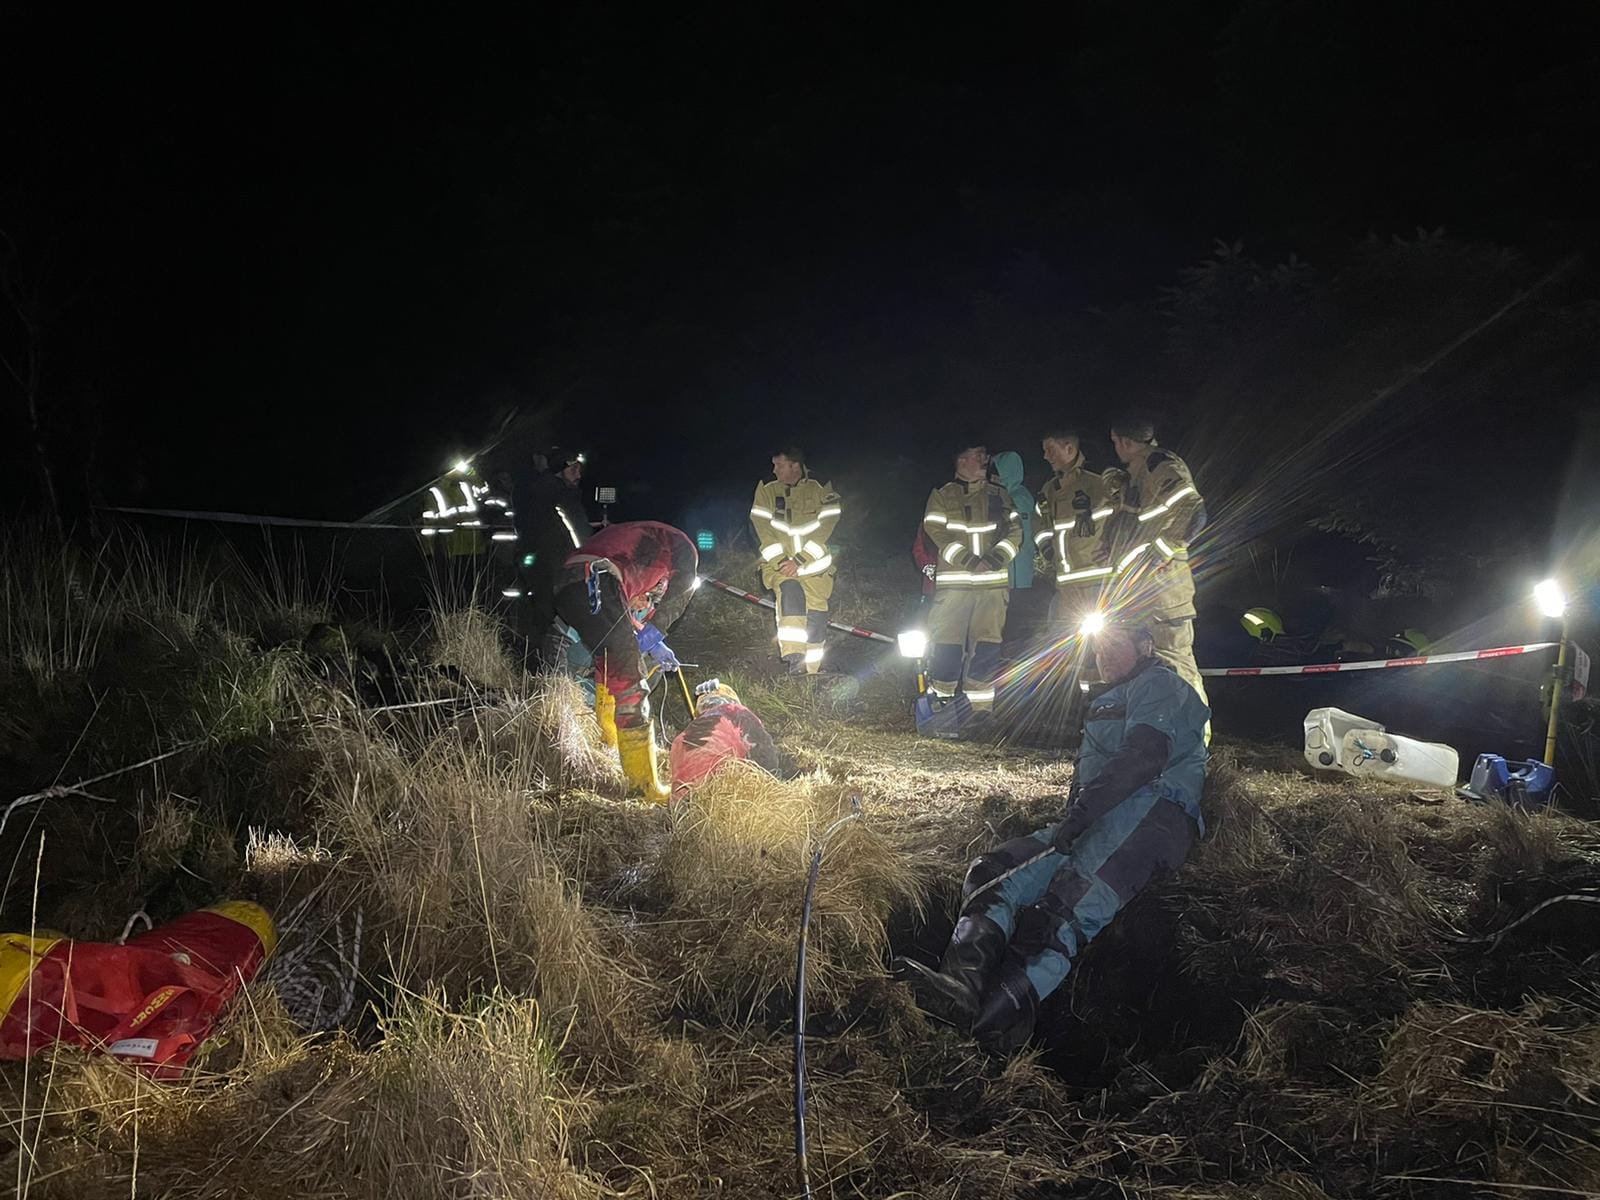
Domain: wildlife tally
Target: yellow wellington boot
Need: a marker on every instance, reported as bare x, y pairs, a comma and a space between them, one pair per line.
637, 749
605, 711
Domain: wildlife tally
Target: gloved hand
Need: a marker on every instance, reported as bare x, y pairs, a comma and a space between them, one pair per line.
653, 645
1071, 828
928, 570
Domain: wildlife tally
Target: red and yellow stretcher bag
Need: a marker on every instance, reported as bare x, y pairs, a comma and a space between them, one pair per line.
151, 1001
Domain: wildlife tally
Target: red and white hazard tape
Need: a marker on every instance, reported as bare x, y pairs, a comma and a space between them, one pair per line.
765, 602
1384, 664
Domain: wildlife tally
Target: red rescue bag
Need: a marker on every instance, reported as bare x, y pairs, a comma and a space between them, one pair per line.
151, 1001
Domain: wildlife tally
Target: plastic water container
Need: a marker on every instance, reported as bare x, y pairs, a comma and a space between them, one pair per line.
1527, 783
1339, 741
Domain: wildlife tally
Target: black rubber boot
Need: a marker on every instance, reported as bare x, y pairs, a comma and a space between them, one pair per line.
1005, 1017
952, 992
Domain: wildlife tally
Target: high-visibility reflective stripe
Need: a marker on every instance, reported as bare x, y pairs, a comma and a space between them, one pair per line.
831, 511
1063, 526
942, 690
790, 634
471, 504
990, 576
954, 577
768, 553
816, 568
495, 502
1165, 549
796, 530
440, 508
1253, 619
1100, 514
1131, 555
758, 511
964, 528
571, 532
1085, 573
473, 524
984, 697
814, 654
1149, 513
936, 518
950, 552
1011, 551
1041, 537
504, 537
1013, 515
977, 544
511, 593
813, 549
429, 530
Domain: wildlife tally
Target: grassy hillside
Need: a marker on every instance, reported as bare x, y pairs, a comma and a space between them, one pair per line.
499, 978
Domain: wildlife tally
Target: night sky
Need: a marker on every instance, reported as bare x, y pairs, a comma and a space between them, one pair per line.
295, 263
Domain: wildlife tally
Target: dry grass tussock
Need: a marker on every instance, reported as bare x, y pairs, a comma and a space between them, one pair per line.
729, 876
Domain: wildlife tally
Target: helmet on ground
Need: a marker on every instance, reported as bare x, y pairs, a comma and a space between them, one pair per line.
1409, 643
1262, 623
713, 693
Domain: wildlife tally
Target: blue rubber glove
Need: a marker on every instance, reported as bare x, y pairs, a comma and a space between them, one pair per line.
653, 645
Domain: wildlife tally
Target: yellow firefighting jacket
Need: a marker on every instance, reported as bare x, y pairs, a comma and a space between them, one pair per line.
977, 532
1160, 512
795, 521
1073, 508
466, 510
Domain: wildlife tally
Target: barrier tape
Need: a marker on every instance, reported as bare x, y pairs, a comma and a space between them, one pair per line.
232, 518
764, 602
1384, 664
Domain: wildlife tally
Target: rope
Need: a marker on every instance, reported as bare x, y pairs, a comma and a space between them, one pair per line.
59, 790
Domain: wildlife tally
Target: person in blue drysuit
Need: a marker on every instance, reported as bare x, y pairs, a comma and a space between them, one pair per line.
1007, 467
1134, 812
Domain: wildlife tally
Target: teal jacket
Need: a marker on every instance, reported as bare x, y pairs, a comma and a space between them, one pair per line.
1008, 470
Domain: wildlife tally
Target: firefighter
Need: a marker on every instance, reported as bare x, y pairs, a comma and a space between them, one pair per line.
619, 591
465, 513
551, 522
794, 516
1159, 512
977, 533
1134, 812
1074, 506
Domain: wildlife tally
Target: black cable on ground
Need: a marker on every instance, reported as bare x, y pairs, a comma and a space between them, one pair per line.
801, 1165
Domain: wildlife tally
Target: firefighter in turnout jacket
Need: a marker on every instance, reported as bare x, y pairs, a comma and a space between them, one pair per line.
465, 513
1159, 513
618, 592
794, 516
1074, 506
1032, 904
977, 533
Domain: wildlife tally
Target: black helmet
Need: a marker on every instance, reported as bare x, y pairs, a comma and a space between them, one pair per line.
558, 459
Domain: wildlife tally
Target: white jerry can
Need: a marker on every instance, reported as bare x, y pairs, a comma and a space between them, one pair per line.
1341, 741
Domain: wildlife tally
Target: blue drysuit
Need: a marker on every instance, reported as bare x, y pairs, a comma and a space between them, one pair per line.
1136, 813
1008, 471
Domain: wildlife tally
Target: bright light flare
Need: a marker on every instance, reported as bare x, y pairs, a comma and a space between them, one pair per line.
462, 467
1092, 624
913, 643
695, 586
1552, 601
